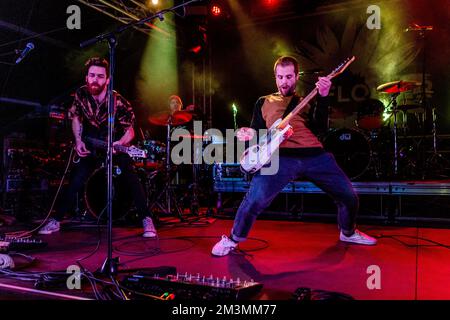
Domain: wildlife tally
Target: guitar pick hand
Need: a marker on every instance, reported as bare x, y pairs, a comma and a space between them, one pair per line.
288, 133
81, 150
245, 134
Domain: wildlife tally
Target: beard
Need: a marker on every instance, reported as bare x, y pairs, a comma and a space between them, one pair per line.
95, 89
287, 91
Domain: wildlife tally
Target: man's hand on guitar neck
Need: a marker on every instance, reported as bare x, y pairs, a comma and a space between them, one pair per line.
81, 150
117, 143
323, 85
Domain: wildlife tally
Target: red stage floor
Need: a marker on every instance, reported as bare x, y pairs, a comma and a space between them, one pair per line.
282, 255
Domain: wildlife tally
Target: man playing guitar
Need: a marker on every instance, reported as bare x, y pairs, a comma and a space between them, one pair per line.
301, 155
89, 113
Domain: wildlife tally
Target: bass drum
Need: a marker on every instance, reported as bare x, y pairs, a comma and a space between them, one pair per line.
95, 193
352, 151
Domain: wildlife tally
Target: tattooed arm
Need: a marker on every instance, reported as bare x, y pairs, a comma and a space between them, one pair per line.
77, 129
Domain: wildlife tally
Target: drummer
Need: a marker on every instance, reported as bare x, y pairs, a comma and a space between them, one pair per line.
175, 103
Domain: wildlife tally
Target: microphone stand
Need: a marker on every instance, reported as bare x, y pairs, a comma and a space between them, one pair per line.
110, 265
9, 53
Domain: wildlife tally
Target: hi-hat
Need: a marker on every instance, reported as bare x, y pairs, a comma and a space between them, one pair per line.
398, 86
175, 119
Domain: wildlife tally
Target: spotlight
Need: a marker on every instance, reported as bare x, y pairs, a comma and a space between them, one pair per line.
216, 10
270, 3
155, 2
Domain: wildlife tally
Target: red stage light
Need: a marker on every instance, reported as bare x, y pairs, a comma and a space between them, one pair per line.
216, 10
270, 3
196, 49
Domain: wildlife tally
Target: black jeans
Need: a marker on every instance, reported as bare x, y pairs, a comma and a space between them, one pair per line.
82, 170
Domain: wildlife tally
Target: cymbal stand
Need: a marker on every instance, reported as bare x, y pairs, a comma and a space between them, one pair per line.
395, 111
197, 157
167, 192
436, 160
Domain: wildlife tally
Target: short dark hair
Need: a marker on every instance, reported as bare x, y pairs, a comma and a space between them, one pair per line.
99, 62
284, 61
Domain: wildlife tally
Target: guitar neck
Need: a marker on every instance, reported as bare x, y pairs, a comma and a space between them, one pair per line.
104, 145
297, 109
285, 122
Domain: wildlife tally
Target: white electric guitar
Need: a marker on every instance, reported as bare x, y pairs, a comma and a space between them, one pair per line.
256, 156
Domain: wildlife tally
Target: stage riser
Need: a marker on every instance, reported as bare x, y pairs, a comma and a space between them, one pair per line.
228, 178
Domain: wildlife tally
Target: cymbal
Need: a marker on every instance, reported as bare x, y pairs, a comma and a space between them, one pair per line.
175, 119
398, 86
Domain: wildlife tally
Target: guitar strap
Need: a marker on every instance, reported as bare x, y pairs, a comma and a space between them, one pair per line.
291, 106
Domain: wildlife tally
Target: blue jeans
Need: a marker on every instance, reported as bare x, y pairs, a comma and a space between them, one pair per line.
320, 169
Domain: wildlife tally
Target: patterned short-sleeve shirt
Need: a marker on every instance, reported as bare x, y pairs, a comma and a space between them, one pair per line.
94, 116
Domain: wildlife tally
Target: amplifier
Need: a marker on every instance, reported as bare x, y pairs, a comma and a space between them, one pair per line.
191, 287
26, 184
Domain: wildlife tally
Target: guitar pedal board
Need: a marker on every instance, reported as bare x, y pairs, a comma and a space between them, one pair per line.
19, 244
192, 287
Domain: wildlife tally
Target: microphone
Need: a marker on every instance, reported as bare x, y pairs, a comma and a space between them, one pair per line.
24, 52
416, 27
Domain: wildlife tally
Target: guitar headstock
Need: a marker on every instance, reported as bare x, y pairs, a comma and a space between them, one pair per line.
134, 152
341, 68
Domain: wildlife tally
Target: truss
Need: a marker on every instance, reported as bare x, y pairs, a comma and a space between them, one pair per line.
126, 11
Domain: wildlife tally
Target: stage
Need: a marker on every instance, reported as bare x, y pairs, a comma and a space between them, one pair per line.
156, 81
281, 255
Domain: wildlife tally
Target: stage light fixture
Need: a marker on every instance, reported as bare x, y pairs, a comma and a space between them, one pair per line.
216, 10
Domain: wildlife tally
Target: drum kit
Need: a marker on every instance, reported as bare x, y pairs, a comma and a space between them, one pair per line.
160, 162
371, 151
158, 174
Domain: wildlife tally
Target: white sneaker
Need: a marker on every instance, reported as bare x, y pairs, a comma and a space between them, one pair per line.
359, 238
51, 226
223, 247
149, 228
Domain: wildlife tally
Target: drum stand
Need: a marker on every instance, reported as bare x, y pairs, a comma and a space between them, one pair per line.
194, 186
166, 200
436, 160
